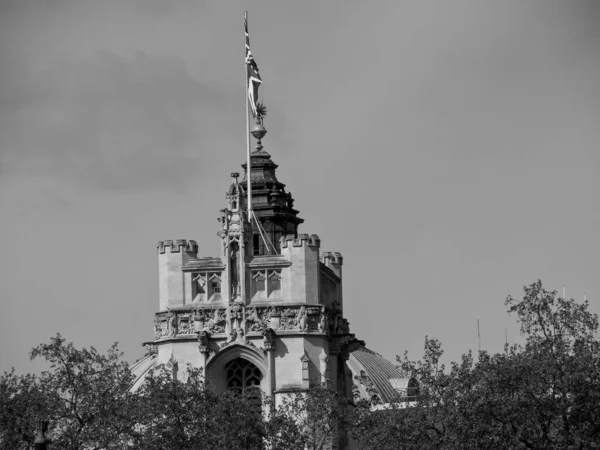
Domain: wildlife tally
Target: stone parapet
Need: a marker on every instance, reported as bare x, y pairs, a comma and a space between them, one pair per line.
329, 258
303, 240
176, 246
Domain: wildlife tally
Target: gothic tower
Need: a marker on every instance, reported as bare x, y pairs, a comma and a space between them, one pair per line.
267, 311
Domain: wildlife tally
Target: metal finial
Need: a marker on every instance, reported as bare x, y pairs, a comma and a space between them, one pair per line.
258, 131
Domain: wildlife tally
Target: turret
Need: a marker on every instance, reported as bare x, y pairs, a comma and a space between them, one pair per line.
334, 261
172, 256
303, 274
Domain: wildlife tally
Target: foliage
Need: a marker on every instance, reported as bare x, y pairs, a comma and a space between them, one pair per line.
89, 395
544, 394
309, 420
183, 414
21, 402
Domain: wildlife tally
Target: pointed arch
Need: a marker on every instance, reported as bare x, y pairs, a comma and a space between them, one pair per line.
216, 366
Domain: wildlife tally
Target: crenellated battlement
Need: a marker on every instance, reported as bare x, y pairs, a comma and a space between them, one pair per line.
303, 240
175, 246
329, 258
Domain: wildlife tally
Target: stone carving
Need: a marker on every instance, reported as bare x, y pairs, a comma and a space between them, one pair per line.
324, 321
199, 318
340, 325
171, 324
158, 331
252, 319
302, 318
324, 366
204, 341
241, 336
235, 314
232, 337
151, 349
216, 323
257, 319
237, 337
269, 339
185, 324
288, 319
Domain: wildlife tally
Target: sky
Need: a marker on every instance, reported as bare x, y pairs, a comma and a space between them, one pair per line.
448, 150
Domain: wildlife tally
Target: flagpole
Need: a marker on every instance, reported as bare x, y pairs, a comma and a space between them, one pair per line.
248, 166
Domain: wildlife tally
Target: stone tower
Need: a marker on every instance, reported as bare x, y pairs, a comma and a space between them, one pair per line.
266, 312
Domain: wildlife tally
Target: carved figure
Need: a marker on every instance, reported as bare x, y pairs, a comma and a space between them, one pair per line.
269, 339
324, 320
241, 336
236, 314
301, 318
216, 324
157, 328
204, 340
232, 337
337, 323
253, 321
172, 324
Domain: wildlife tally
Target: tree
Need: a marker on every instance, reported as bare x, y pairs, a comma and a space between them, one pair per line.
90, 405
184, 414
22, 401
543, 394
311, 419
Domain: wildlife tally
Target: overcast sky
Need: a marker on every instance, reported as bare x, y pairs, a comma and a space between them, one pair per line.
449, 150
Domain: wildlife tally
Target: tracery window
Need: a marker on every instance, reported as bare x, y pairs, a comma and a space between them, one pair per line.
206, 286
243, 377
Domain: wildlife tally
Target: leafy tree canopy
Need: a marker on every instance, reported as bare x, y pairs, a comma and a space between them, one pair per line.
543, 394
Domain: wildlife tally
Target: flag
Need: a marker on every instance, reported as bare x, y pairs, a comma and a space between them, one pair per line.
253, 76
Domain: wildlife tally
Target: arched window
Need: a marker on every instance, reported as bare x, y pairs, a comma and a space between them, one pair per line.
244, 377
413, 390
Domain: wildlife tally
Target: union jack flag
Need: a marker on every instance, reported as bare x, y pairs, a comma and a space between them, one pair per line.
254, 79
